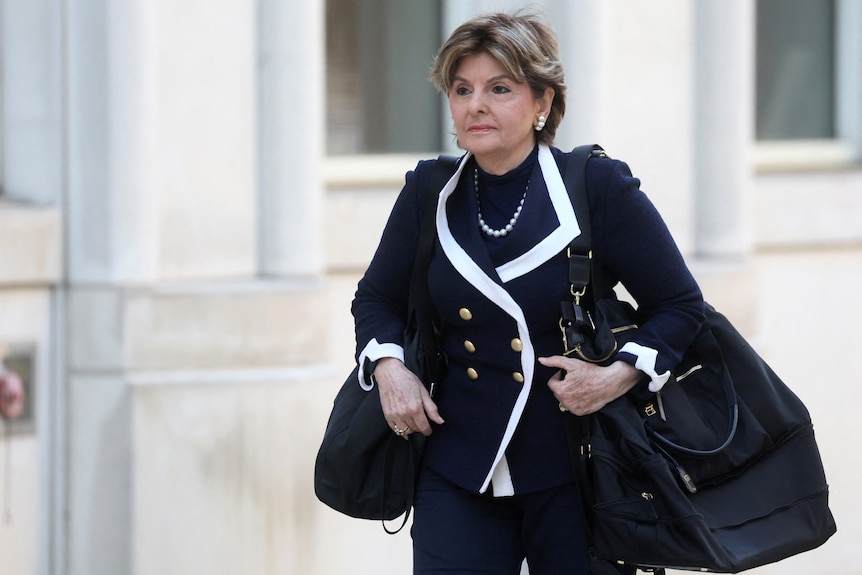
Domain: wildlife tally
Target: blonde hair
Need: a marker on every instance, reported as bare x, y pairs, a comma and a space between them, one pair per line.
523, 44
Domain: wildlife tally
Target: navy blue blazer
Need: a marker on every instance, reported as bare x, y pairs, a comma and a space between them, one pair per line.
500, 310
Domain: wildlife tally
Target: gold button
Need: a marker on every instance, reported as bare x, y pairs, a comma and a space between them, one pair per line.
472, 373
468, 345
465, 314
519, 377
517, 344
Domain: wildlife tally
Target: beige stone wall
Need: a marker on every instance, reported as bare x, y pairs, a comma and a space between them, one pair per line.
185, 374
30, 265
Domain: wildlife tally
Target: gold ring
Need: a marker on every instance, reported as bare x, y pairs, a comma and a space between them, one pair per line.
399, 432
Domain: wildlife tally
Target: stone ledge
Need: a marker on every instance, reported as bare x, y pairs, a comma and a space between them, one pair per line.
231, 377
30, 244
207, 326
809, 208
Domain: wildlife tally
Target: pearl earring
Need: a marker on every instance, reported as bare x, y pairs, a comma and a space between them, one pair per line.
540, 123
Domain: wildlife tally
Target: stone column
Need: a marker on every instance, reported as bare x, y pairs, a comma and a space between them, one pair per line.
291, 137
586, 49
160, 155
111, 102
724, 108
722, 180
111, 241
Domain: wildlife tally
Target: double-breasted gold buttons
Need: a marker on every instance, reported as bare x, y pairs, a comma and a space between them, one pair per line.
465, 314
519, 377
472, 373
517, 345
468, 345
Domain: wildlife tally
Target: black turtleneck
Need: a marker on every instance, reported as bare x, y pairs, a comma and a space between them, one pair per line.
499, 196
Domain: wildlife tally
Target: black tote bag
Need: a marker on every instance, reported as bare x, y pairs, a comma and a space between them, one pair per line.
362, 468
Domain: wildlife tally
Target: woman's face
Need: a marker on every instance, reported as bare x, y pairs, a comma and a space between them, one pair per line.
494, 115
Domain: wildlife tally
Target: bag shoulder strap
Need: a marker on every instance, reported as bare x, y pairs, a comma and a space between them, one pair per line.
580, 263
419, 304
580, 248
440, 175
420, 298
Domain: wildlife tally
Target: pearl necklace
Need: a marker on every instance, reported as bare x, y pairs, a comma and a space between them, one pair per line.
502, 232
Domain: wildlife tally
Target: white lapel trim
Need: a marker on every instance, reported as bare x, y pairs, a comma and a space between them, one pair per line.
467, 267
560, 237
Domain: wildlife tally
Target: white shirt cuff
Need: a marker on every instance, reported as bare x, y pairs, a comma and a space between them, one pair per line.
646, 363
374, 351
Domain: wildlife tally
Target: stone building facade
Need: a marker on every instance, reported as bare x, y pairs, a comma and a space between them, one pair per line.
190, 189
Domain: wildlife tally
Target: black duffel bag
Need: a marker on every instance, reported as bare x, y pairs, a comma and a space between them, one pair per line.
719, 471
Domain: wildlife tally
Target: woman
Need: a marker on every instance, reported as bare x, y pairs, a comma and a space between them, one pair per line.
496, 485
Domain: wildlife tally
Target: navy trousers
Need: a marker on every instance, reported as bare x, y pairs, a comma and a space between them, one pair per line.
456, 532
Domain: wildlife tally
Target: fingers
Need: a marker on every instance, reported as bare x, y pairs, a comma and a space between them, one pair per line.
574, 385
405, 429
418, 420
406, 403
403, 425
431, 411
401, 431
587, 388
557, 361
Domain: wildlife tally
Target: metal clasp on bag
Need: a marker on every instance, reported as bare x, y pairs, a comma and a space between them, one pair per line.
579, 272
576, 326
578, 294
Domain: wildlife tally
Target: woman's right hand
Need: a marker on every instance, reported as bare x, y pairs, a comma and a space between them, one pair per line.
406, 403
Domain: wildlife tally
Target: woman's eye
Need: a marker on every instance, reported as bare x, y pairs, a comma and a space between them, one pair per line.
462, 90
501, 90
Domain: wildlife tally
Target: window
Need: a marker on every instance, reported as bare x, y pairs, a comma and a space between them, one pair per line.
796, 72
378, 54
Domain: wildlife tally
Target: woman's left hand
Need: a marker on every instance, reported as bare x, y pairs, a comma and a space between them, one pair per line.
587, 387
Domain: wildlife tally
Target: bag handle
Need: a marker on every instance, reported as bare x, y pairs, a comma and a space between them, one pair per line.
710, 352
419, 300
389, 473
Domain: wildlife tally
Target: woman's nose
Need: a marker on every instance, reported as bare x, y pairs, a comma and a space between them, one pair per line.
478, 103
